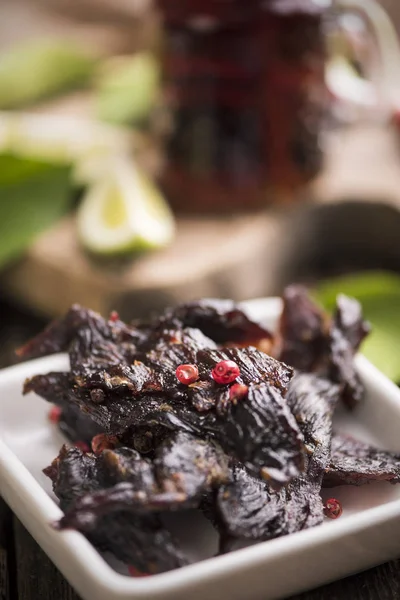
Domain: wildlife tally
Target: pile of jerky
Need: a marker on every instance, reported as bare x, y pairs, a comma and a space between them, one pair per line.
254, 465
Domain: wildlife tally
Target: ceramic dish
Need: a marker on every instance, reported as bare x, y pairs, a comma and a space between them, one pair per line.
368, 532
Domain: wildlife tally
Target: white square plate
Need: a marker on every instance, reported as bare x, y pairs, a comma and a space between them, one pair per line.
368, 532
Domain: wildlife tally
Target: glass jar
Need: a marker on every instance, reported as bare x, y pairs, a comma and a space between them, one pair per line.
245, 83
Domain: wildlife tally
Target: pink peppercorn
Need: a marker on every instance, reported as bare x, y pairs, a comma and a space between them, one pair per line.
54, 414
226, 371
333, 508
238, 392
187, 374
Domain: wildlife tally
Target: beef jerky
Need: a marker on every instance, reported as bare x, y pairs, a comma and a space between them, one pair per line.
186, 464
260, 431
127, 465
76, 426
100, 375
303, 331
311, 342
353, 462
170, 349
73, 473
347, 332
249, 508
183, 470
255, 366
139, 540
221, 320
58, 336
312, 400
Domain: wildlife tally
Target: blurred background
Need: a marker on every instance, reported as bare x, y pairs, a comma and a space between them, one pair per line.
156, 152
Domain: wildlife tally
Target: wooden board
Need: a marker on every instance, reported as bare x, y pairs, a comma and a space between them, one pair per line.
239, 257
209, 257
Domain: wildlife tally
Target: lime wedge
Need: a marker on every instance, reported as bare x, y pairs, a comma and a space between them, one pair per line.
124, 212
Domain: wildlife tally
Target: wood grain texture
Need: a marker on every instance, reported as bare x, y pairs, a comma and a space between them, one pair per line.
381, 583
6, 550
37, 577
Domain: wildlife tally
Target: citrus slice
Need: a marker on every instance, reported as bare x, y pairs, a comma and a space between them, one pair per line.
124, 212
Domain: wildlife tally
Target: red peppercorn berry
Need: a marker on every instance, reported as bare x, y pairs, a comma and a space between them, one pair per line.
187, 374
54, 414
333, 508
225, 371
102, 442
114, 316
238, 392
82, 446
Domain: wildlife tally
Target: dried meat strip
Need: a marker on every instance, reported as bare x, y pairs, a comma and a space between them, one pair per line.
260, 430
188, 465
59, 335
250, 509
139, 540
355, 463
221, 320
76, 426
347, 332
311, 342
302, 332
184, 468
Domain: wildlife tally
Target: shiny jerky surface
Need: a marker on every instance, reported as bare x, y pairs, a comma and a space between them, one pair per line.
353, 462
254, 466
309, 340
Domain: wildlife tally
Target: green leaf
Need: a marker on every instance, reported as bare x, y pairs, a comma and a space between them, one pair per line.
379, 294
33, 195
39, 69
127, 89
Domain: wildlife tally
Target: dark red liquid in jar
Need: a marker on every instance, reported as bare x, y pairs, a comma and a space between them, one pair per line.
245, 83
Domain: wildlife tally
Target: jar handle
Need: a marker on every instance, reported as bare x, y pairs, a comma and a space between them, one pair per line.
388, 84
